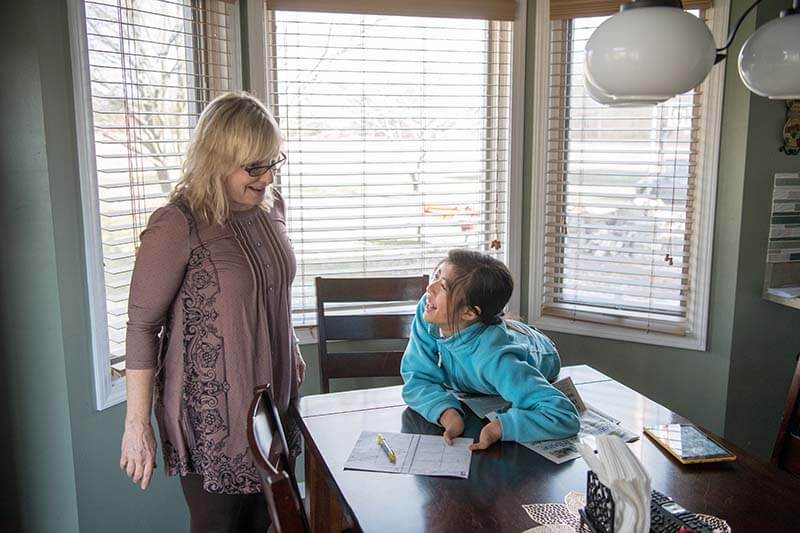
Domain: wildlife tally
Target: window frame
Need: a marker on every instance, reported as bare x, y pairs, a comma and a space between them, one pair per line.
260, 82
108, 391
702, 239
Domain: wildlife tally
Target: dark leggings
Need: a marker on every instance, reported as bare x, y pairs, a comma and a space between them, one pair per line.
223, 513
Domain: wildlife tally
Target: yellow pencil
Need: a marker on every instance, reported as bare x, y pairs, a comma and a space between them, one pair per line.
386, 448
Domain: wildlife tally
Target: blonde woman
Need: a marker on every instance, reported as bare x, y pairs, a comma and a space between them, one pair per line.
214, 274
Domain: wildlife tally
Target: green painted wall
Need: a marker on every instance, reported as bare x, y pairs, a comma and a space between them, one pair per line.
62, 453
34, 392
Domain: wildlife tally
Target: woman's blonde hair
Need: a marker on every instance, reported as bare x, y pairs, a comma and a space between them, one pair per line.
233, 130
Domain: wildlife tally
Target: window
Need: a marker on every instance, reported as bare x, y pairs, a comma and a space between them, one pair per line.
625, 201
144, 69
397, 130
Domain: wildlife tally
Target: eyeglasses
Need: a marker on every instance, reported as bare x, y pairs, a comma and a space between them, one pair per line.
256, 171
437, 278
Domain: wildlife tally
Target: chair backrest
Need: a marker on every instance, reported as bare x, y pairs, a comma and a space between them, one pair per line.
270, 452
786, 453
362, 326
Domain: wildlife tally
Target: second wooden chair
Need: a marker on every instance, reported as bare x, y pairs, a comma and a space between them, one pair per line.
345, 325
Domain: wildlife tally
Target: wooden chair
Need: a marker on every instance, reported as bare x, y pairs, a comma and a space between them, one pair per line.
786, 454
267, 439
363, 327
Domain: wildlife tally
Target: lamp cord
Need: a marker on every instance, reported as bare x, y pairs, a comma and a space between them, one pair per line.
732, 35
795, 9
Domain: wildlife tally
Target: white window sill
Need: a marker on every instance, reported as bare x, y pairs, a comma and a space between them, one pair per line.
603, 331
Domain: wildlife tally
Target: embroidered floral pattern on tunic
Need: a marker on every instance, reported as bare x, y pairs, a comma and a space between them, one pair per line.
205, 389
223, 474
176, 465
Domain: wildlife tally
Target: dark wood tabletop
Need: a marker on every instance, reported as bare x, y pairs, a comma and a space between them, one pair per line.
750, 494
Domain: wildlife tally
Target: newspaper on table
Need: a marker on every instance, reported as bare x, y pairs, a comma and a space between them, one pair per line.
593, 423
427, 455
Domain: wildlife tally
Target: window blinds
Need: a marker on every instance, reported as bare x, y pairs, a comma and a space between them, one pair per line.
396, 130
570, 9
153, 65
620, 198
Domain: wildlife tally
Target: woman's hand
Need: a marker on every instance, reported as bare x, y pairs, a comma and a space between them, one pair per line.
453, 425
138, 456
490, 434
300, 365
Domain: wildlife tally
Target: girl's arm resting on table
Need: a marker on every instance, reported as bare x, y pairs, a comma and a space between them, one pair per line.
538, 410
423, 388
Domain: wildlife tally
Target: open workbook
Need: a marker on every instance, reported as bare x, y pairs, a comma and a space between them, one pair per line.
426, 455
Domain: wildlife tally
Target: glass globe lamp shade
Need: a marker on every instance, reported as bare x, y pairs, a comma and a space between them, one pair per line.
649, 54
769, 61
604, 99
596, 94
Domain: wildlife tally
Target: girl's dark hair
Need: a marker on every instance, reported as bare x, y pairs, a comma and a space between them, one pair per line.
481, 283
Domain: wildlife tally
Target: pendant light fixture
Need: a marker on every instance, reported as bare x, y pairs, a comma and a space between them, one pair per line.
635, 54
769, 61
653, 50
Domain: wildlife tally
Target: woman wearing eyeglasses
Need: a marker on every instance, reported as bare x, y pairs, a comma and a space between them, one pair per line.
209, 318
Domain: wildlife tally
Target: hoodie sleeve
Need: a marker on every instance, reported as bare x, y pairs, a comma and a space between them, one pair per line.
538, 410
423, 378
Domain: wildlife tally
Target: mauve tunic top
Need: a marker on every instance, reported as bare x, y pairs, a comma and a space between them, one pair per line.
222, 294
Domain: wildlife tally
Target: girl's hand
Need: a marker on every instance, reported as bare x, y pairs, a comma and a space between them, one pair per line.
300, 365
453, 425
490, 434
138, 455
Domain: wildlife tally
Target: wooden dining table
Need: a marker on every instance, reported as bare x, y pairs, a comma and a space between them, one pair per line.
750, 494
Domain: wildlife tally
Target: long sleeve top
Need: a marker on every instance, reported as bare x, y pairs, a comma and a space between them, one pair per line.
220, 297
514, 362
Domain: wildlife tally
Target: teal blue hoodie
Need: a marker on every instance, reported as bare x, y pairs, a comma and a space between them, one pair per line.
494, 360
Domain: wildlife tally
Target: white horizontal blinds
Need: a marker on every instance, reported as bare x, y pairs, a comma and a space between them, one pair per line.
620, 198
570, 9
153, 66
397, 134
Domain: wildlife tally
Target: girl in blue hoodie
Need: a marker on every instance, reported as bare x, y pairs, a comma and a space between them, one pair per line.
460, 341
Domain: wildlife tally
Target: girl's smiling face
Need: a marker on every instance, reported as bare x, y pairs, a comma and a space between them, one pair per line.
436, 308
